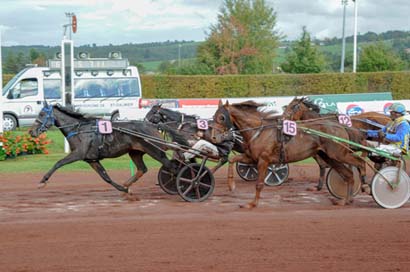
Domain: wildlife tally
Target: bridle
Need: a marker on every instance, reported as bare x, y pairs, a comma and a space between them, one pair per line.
48, 120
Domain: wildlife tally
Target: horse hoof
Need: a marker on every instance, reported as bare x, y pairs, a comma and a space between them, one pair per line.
366, 189
130, 197
41, 185
247, 206
339, 202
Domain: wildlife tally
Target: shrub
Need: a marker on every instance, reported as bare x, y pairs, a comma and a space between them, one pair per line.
15, 144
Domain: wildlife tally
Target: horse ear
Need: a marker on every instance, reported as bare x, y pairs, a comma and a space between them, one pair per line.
45, 104
220, 103
226, 103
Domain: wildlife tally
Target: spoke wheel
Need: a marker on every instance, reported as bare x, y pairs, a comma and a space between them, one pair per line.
247, 172
277, 174
387, 196
337, 185
168, 180
195, 184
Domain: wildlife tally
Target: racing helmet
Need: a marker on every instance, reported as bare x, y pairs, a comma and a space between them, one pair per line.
398, 107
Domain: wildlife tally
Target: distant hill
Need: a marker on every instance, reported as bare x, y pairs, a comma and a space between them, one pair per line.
150, 55
136, 53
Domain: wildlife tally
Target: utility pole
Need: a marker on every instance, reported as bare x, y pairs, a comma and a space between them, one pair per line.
355, 37
342, 62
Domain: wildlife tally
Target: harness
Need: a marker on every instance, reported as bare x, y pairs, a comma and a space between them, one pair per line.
49, 120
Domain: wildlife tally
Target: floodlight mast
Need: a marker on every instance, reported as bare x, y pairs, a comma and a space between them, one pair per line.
67, 65
342, 62
71, 18
355, 37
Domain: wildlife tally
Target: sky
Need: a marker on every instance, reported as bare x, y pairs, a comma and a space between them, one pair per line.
103, 22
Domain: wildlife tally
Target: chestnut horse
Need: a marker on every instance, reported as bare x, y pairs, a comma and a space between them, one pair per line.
266, 144
304, 109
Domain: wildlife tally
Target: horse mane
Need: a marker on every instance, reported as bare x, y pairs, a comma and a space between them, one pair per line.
253, 106
75, 114
309, 103
176, 115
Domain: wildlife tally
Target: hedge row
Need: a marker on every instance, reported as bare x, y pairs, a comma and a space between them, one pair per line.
161, 86
275, 85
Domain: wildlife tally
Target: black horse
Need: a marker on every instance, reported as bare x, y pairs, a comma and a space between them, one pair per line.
91, 144
186, 125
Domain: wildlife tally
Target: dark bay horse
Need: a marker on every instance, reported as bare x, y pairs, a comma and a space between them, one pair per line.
266, 144
88, 144
304, 109
186, 125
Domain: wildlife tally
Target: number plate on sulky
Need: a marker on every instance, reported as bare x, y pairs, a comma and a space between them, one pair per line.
104, 127
202, 124
345, 120
289, 127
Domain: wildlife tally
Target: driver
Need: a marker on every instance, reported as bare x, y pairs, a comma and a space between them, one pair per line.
395, 133
214, 151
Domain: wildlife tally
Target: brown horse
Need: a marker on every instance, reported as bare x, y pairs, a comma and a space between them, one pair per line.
304, 109
266, 144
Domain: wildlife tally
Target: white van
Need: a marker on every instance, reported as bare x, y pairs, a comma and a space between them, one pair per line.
101, 87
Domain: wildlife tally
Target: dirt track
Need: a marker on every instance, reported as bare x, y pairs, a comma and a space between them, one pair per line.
78, 223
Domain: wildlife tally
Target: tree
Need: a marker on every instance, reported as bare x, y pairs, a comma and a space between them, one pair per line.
10, 65
34, 54
243, 41
378, 57
304, 57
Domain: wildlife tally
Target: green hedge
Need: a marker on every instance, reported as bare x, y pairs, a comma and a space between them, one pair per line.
275, 85
162, 86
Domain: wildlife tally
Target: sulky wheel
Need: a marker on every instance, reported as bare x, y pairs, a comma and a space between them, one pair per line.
390, 196
195, 184
337, 185
277, 174
167, 179
247, 172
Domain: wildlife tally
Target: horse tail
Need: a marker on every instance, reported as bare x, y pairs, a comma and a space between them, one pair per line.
175, 136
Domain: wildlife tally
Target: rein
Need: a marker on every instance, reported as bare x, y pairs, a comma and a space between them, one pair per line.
50, 119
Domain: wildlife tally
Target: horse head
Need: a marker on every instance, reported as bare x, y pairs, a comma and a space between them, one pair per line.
298, 107
154, 114
44, 120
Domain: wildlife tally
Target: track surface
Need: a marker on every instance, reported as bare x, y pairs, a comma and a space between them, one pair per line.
79, 223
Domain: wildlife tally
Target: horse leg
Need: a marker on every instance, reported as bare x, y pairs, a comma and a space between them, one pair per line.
262, 169
96, 165
136, 157
238, 158
345, 172
322, 170
72, 157
221, 162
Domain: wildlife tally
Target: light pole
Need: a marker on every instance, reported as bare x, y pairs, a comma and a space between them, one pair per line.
342, 62
355, 37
